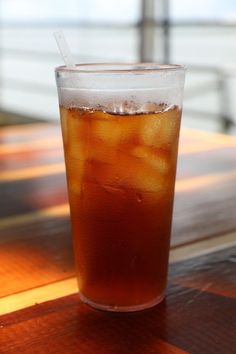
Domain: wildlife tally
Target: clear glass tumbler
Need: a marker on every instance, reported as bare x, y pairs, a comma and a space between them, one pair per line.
120, 126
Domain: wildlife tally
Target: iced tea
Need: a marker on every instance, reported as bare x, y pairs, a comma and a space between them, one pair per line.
121, 173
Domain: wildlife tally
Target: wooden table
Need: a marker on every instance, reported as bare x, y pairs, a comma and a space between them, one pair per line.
40, 311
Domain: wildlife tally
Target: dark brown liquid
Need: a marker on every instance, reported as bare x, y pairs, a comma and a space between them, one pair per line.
121, 173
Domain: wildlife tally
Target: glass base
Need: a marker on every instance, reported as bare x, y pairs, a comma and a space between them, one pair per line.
113, 308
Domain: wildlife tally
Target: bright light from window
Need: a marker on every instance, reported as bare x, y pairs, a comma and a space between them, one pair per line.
108, 11
203, 9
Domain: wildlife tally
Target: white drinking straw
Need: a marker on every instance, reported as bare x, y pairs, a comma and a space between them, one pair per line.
64, 49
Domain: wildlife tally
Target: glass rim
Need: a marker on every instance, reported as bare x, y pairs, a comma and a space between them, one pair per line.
117, 68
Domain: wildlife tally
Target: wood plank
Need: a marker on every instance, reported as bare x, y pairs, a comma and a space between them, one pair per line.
41, 254
86, 331
9, 224
56, 141
22, 160
206, 162
212, 195
201, 246
202, 146
196, 135
28, 132
192, 320
35, 207
32, 172
35, 145
205, 181
32, 131
50, 179
27, 139
215, 273
189, 166
203, 212
48, 239
30, 195
34, 232
26, 298
38, 295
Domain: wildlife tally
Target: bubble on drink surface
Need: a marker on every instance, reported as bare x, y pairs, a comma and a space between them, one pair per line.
152, 107
134, 107
123, 107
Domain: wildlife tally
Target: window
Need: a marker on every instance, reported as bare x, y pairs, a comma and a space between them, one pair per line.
97, 31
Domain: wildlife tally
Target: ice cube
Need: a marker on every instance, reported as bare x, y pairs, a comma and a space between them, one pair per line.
157, 158
150, 128
123, 107
109, 131
78, 133
147, 179
170, 126
160, 129
128, 172
75, 173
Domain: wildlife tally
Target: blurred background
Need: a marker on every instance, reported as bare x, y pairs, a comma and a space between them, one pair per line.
199, 34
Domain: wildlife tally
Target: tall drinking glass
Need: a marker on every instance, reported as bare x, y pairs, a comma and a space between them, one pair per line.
120, 125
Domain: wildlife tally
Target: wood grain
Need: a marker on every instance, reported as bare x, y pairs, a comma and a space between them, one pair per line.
26, 146
25, 196
41, 215
34, 216
190, 320
203, 212
215, 273
206, 162
21, 160
29, 132
40, 254
38, 295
